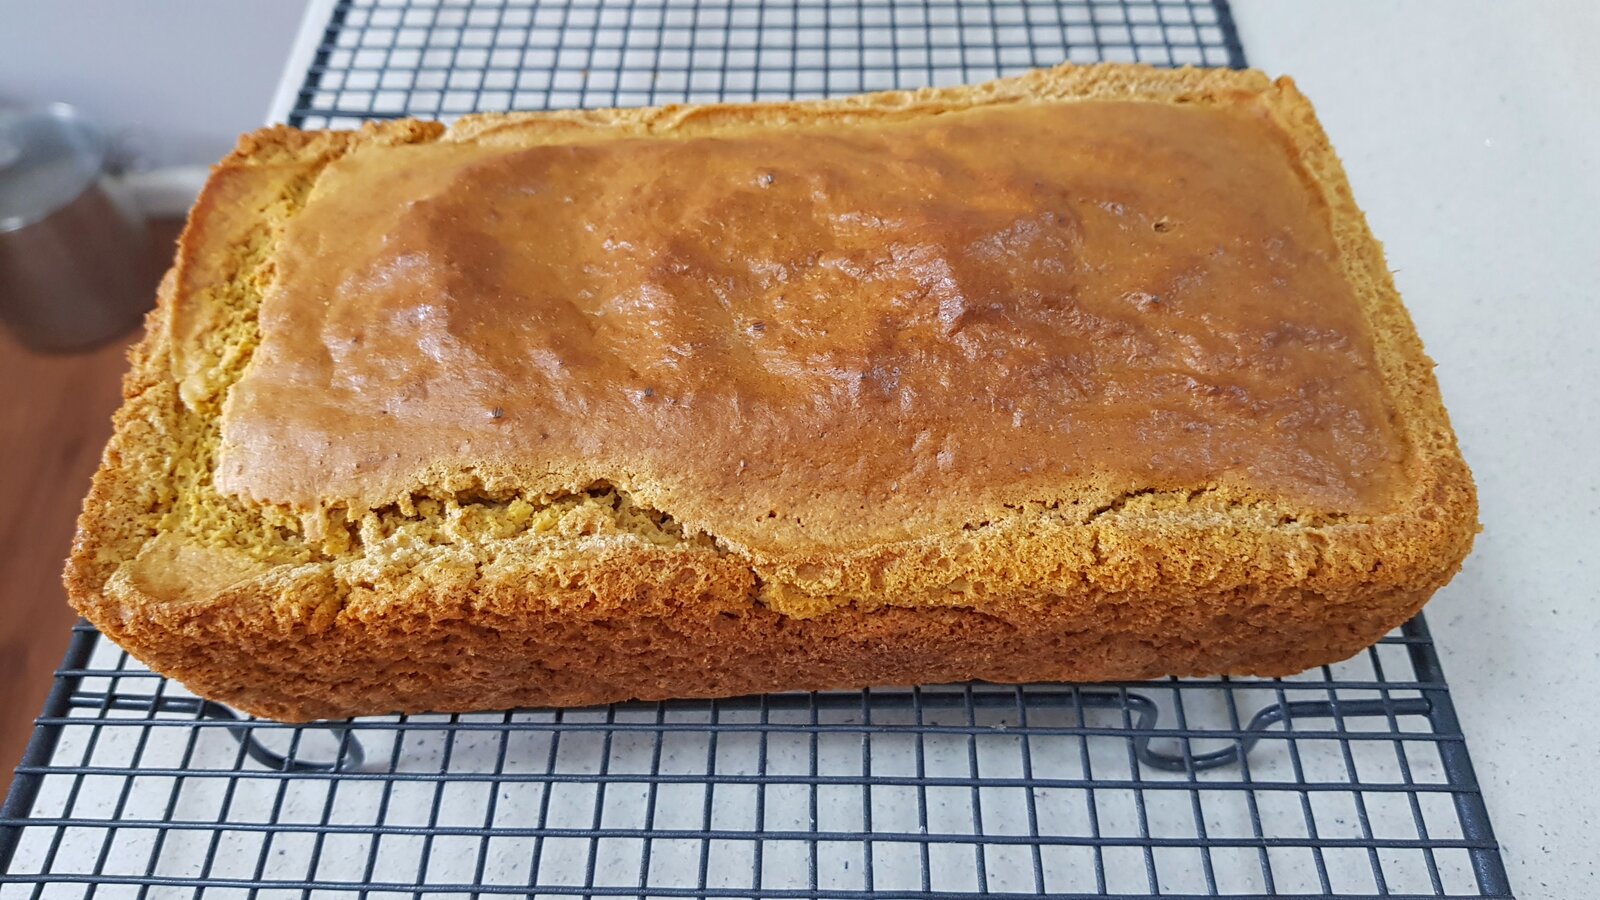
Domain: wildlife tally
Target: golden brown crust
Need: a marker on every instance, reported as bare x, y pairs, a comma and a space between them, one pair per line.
783, 340
473, 604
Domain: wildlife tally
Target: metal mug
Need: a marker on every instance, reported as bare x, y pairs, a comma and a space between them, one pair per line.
76, 266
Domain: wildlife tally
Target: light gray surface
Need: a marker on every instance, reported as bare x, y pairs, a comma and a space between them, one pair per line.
1470, 132
173, 82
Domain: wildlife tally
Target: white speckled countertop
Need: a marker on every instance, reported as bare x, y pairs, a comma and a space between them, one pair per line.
1471, 133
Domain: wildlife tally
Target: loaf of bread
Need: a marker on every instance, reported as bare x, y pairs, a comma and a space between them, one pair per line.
1092, 373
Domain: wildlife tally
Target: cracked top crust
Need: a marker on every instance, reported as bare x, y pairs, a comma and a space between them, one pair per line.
1259, 420
795, 335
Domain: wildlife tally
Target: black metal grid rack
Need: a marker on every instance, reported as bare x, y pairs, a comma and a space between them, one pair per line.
442, 58
1350, 780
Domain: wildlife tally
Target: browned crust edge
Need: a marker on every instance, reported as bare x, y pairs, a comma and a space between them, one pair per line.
1142, 587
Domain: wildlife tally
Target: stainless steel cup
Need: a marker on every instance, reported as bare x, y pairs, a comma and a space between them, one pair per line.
76, 266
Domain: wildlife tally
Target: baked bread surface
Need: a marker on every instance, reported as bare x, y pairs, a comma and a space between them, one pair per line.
770, 460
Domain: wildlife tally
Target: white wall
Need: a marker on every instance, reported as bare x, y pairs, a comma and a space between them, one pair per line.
174, 81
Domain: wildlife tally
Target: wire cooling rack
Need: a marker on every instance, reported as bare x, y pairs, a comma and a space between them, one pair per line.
1347, 781
1350, 780
437, 59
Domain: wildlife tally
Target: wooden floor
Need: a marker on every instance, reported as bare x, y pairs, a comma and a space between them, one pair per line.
55, 416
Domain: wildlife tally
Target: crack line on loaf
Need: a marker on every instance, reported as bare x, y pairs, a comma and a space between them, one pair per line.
477, 515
